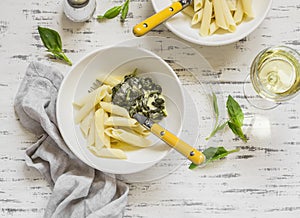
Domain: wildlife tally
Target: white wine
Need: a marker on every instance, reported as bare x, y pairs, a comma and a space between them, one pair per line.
275, 73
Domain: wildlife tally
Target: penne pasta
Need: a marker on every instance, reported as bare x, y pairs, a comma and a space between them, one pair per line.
247, 8
108, 97
189, 11
91, 133
238, 14
124, 146
197, 17
141, 130
219, 14
121, 121
86, 124
213, 27
94, 99
231, 4
128, 137
96, 94
114, 109
206, 19
109, 79
228, 17
198, 4
108, 152
100, 116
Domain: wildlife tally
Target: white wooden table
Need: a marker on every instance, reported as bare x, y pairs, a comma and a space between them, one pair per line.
262, 180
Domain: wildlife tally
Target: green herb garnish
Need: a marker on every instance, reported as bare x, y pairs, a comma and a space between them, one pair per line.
213, 154
115, 11
236, 118
52, 41
217, 127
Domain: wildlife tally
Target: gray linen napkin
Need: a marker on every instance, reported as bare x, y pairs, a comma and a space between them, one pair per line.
78, 190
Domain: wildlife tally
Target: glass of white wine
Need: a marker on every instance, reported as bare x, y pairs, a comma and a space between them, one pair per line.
274, 77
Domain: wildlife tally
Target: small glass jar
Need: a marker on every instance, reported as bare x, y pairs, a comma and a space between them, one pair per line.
79, 10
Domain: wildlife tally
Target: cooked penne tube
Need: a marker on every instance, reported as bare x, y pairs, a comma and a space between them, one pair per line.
213, 27
114, 109
189, 10
247, 8
198, 4
231, 4
120, 121
100, 117
123, 146
109, 79
228, 17
238, 14
141, 130
197, 17
108, 97
206, 19
108, 152
219, 14
97, 93
130, 138
86, 124
91, 133
90, 105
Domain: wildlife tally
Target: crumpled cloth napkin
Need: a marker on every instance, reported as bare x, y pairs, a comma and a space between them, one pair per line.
78, 190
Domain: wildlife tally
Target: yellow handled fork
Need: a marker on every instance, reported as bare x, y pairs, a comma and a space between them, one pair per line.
194, 155
158, 18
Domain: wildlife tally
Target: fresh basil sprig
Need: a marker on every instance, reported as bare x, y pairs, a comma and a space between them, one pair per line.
236, 118
213, 154
115, 11
217, 127
124, 10
52, 41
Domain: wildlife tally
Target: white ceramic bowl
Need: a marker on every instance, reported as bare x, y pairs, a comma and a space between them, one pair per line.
119, 60
180, 25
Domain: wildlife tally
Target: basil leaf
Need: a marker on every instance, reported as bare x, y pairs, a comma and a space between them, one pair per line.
237, 131
217, 126
216, 129
216, 153
213, 154
124, 11
52, 41
235, 112
62, 56
193, 166
111, 13
215, 105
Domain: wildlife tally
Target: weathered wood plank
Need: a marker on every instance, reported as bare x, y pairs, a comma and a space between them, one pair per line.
262, 180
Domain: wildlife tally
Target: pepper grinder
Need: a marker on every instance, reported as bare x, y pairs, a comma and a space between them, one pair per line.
79, 10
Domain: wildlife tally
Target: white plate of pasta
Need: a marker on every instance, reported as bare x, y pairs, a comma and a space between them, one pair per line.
216, 22
102, 134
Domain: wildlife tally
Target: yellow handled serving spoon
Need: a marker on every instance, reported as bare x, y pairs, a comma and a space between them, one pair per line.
158, 18
179, 145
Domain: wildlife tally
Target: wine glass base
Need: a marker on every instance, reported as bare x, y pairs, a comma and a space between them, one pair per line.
256, 100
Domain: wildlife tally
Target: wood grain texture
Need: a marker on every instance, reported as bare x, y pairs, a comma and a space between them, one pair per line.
262, 180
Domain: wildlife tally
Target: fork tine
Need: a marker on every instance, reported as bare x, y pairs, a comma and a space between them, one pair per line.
96, 84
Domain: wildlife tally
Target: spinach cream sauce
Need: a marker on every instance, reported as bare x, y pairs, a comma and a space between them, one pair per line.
140, 95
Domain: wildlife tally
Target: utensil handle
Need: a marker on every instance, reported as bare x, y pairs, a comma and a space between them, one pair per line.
156, 19
182, 147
